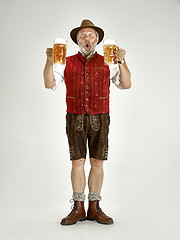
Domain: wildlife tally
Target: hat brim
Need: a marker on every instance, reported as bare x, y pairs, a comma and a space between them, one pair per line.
73, 33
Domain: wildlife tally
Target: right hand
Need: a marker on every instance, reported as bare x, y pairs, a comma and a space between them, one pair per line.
50, 54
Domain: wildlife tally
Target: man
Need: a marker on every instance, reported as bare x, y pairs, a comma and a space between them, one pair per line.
87, 82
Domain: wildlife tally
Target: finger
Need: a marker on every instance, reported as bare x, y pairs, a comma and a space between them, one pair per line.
49, 50
122, 52
121, 49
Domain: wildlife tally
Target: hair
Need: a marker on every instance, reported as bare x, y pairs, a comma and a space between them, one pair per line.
97, 34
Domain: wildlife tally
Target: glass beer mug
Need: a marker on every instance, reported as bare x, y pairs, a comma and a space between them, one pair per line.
60, 48
109, 49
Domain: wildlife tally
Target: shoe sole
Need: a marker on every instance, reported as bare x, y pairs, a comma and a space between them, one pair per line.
66, 224
93, 219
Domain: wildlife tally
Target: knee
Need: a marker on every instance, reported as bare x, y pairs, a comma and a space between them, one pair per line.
96, 163
79, 163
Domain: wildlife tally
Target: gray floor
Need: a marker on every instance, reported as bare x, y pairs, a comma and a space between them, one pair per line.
133, 220
142, 207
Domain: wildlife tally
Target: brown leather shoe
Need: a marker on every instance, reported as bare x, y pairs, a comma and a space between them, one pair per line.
95, 213
77, 214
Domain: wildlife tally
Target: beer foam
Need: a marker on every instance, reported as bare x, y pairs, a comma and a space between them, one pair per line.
60, 40
110, 41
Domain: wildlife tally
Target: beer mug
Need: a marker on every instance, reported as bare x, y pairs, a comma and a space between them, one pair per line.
60, 48
109, 49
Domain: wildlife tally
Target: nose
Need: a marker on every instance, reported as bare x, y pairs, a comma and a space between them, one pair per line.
86, 37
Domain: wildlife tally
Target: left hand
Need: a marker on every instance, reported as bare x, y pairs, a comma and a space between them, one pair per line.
120, 54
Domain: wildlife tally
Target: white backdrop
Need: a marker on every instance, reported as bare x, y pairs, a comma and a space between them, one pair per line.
141, 184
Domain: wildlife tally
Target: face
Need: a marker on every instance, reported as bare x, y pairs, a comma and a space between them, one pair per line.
87, 40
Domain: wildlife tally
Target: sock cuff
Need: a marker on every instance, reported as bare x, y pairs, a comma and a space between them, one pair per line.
78, 196
92, 196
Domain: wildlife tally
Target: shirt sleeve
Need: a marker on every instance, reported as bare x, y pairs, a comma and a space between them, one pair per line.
115, 74
58, 70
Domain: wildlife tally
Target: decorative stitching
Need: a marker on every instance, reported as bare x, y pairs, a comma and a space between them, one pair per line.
71, 151
79, 122
94, 120
69, 97
102, 97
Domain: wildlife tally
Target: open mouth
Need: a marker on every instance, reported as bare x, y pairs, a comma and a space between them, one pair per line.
87, 45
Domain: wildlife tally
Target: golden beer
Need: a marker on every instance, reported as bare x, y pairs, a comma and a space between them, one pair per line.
60, 49
109, 49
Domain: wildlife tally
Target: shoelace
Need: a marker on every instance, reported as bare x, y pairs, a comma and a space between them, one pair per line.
74, 206
72, 201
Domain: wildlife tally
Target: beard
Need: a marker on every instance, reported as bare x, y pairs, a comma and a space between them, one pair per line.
87, 47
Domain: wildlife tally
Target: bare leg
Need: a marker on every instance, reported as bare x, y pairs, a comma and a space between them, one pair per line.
95, 184
78, 178
96, 175
78, 184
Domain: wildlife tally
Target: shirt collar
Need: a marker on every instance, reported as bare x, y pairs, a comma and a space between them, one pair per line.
89, 56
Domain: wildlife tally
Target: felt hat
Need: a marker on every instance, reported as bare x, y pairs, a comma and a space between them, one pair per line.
87, 24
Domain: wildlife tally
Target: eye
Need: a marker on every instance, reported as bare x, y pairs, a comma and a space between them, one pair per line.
82, 35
